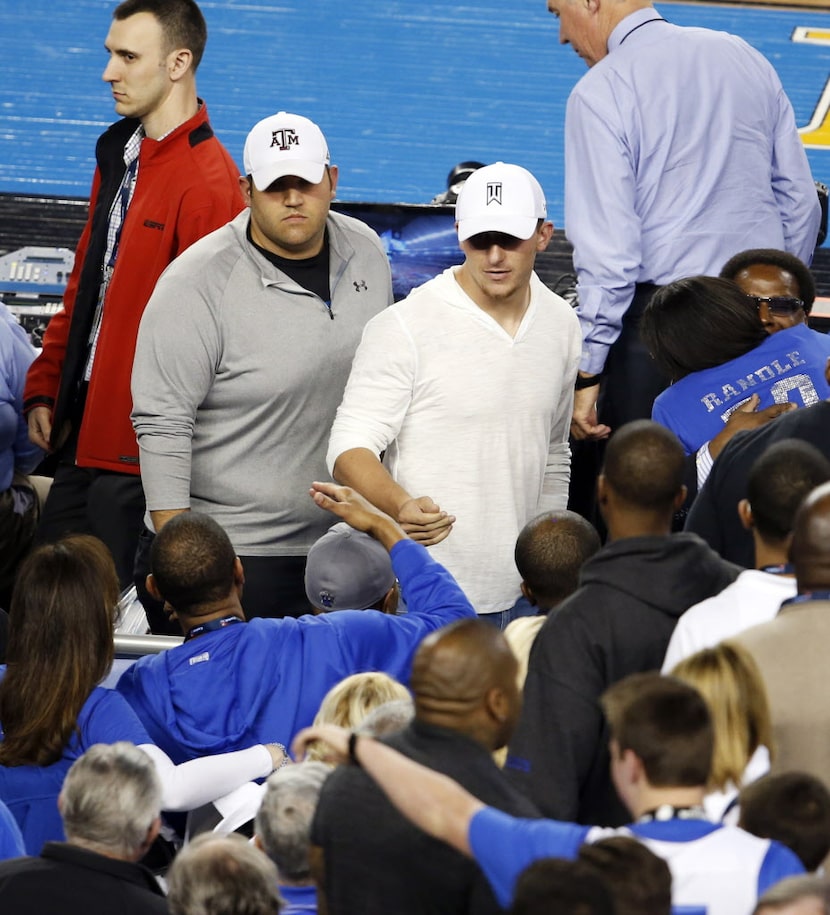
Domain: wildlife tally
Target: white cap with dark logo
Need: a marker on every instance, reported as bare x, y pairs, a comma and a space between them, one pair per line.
500, 198
285, 144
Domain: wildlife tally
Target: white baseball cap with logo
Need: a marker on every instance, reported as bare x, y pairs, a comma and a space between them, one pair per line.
285, 144
500, 198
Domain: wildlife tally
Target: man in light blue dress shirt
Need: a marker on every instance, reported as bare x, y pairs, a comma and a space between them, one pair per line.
681, 149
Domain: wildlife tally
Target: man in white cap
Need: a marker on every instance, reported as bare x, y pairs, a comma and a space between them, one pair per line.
243, 354
467, 386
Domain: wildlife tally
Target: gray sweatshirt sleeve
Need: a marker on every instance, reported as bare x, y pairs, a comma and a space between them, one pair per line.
176, 352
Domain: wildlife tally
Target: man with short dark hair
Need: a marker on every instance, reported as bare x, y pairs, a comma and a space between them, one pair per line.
110, 804
794, 809
550, 552
639, 880
553, 886
618, 622
374, 861
162, 181
234, 678
243, 355
781, 284
779, 481
661, 751
222, 875
790, 649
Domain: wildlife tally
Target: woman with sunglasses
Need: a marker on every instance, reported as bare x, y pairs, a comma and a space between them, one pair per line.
704, 334
780, 284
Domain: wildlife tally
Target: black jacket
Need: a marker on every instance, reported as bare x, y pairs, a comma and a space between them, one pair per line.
618, 622
714, 514
378, 863
68, 880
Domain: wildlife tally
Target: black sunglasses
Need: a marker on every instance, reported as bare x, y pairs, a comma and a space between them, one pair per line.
782, 305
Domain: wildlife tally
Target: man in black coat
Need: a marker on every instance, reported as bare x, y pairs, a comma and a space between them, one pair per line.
714, 514
110, 804
374, 861
618, 622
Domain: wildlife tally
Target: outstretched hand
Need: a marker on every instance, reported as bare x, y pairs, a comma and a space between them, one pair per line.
747, 416
357, 512
424, 521
335, 739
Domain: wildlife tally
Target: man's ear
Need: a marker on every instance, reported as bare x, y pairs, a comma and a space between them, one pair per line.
680, 498
527, 594
238, 572
745, 514
152, 587
179, 63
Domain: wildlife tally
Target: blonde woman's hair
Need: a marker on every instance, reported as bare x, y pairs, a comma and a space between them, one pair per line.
348, 702
729, 680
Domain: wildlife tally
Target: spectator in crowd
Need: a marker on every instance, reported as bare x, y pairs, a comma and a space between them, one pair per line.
780, 284
51, 706
789, 650
466, 702
639, 880
705, 335
349, 570
807, 895
730, 682
223, 875
283, 828
21, 495
110, 804
550, 551
162, 180
268, 677
223, 394
618, 622
778, 482
661, 743
388, 718
553, 886
485, 410
794, 809
348, 702
652, 194
714, 516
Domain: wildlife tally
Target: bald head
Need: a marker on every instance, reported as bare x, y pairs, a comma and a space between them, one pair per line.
810, 547
464, 678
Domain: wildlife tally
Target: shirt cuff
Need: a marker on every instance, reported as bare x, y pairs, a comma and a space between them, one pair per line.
704, 462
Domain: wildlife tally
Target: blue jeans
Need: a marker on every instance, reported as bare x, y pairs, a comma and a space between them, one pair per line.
500, 620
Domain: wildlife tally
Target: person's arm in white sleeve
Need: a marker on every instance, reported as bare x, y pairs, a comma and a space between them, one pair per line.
200, 781
377, 397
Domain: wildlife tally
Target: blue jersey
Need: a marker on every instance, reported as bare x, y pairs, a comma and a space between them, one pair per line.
262, 681
721, 869
787, 366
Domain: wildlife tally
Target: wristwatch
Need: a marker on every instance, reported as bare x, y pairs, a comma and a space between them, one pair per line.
583, 381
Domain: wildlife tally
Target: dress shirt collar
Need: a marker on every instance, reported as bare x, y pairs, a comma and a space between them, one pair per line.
631, 22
